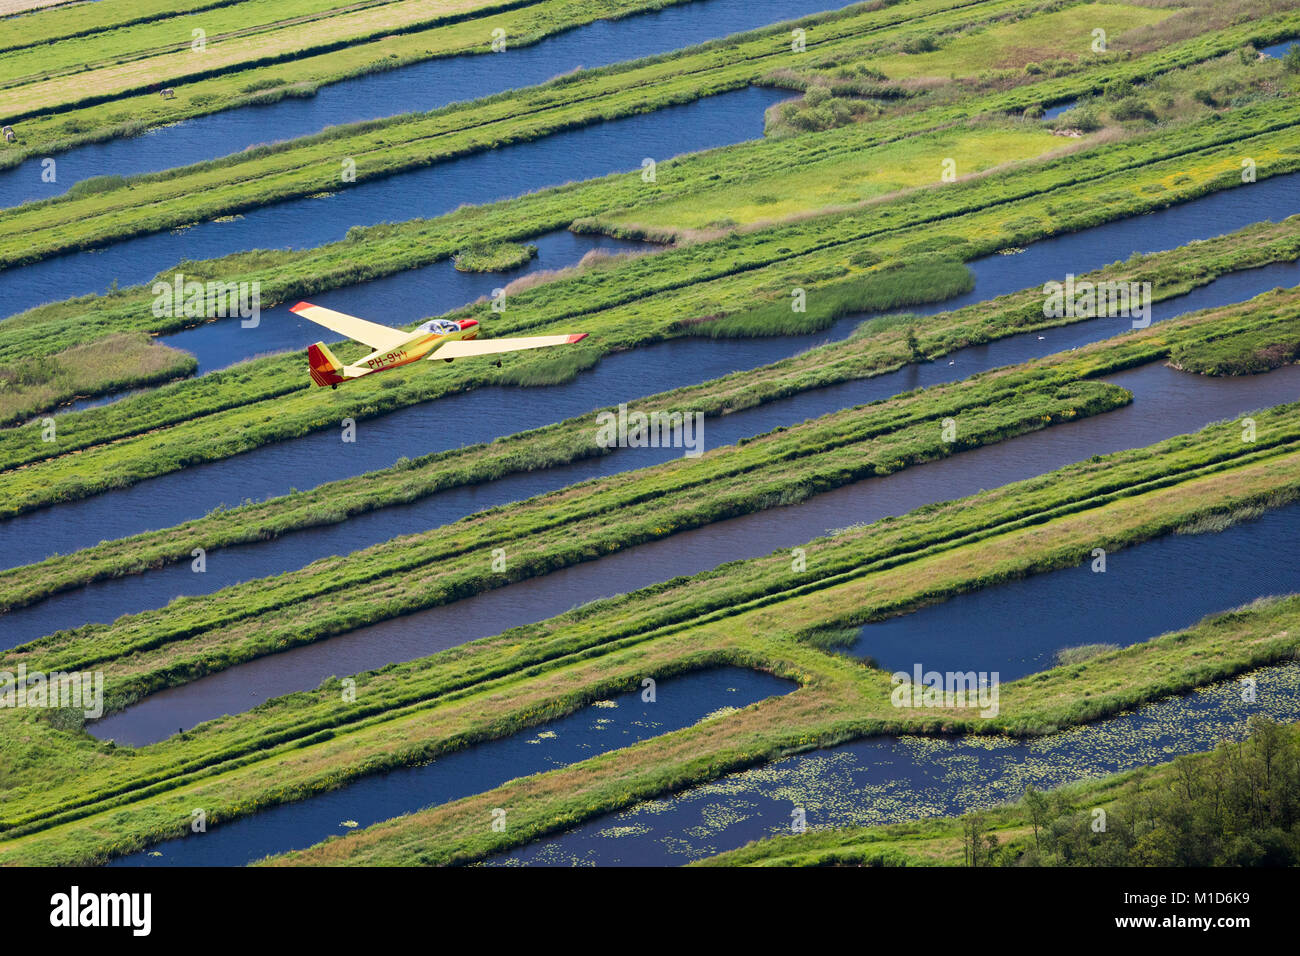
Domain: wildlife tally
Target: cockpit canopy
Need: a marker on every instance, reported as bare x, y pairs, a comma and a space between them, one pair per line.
439, 326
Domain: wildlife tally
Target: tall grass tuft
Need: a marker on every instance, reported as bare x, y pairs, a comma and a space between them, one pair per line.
1068, 656
555, 368
893, 286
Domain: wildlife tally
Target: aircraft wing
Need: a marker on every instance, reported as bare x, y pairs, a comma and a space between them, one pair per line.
464, 349
378, 337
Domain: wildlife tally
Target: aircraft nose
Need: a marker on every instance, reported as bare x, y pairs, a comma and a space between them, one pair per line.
468, 324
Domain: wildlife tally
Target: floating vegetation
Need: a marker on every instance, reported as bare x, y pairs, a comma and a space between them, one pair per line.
614, 833
894, 779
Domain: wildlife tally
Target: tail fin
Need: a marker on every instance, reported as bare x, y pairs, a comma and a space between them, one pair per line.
324, 366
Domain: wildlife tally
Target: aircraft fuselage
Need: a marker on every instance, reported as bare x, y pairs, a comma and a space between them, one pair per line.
419, 346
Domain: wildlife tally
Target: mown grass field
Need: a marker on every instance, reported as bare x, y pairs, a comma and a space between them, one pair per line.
107, 65
841, 181
237, 32
53, 25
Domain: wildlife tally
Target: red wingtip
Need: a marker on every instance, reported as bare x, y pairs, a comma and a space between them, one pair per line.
577, 338
300, 306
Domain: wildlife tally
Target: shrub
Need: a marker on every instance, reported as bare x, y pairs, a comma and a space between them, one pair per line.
1117, 89
1084, 120
816, 95
1132, 108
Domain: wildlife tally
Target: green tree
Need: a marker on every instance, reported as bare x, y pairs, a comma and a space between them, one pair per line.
914, 346
1037, 808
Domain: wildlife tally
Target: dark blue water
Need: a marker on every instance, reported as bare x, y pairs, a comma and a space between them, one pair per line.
571, 155
1078, 252
419, 87
1016, 628
1278, 49
1166, 403
1058, 109
889, 780
488, 413
679, 702
106, 600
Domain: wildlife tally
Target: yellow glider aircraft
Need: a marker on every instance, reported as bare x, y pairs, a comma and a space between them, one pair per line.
436, 339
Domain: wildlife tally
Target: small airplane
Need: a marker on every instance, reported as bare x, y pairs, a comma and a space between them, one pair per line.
444, 339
